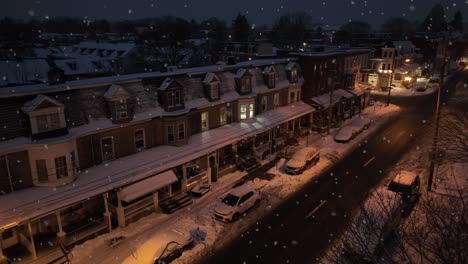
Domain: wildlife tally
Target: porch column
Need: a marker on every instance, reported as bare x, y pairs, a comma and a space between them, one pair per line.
234, 148
156, 200
208, 170
184, 178
60, 233
120, 212
3, 259
107, 214
270, 140
31, 237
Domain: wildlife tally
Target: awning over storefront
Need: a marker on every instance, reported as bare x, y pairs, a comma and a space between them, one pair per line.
146, 186
361, 88
324, 99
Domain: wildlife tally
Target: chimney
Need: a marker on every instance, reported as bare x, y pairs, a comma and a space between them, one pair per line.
231, 60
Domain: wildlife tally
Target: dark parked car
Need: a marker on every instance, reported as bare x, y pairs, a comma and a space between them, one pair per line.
248, 163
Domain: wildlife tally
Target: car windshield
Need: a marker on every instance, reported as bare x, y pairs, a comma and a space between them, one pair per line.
231, 200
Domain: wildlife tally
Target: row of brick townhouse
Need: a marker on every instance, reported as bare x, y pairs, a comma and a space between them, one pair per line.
80, 158
335, 78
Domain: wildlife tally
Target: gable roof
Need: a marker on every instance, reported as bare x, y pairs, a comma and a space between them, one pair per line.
169, 83
290, 66
269, 69
210, 77
116, 91
241, 72
37, 101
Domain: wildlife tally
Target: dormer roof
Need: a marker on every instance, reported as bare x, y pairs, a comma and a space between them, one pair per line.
169, 83
269, 69
116, 92
290, 66
40, 102
211, 77
242, 72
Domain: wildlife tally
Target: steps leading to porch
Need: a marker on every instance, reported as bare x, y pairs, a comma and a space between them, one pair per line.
175, 203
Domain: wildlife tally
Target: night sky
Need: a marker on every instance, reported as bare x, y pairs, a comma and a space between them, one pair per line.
259, 12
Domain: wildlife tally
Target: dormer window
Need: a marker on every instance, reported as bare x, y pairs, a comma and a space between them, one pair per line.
46, 117
244, 81
270, 76
171, 95
117, 98
292, 72
211, 84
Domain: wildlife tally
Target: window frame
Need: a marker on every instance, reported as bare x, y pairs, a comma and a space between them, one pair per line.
103, 155
214, 90
276, 100
181, 131
62, 170
264, 103
204, 121
170, 133
142, 139
223, 115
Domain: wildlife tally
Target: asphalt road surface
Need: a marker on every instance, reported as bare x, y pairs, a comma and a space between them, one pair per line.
294, 233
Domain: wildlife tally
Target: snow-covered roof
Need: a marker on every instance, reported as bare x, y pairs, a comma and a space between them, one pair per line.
211, 77
31, 105
84, 65
269, 69
324, 99
23, 72
93, 82
405, 177
290, 66
116, 91
25, 204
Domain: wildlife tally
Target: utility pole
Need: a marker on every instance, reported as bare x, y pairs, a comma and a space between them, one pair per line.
436, 130
331, 84
391, 79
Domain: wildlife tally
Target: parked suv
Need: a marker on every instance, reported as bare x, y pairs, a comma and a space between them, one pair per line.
406, 183
302, 159
236, 202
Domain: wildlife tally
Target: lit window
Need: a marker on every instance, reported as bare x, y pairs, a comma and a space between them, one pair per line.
294, 75
139, 136
243, 111
174, 99
61, 167
252, 110
204, 121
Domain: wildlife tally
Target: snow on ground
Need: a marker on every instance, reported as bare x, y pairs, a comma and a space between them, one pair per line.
197, 219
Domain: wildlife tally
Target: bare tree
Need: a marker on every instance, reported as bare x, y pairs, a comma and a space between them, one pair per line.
453, 137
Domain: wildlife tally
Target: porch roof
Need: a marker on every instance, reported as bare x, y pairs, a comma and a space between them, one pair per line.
146, 186
20, 206
324, 99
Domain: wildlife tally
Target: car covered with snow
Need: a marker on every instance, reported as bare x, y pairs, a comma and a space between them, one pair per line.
347, 133
163, 248
350, 131
301, 160
406, 184
236, 202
